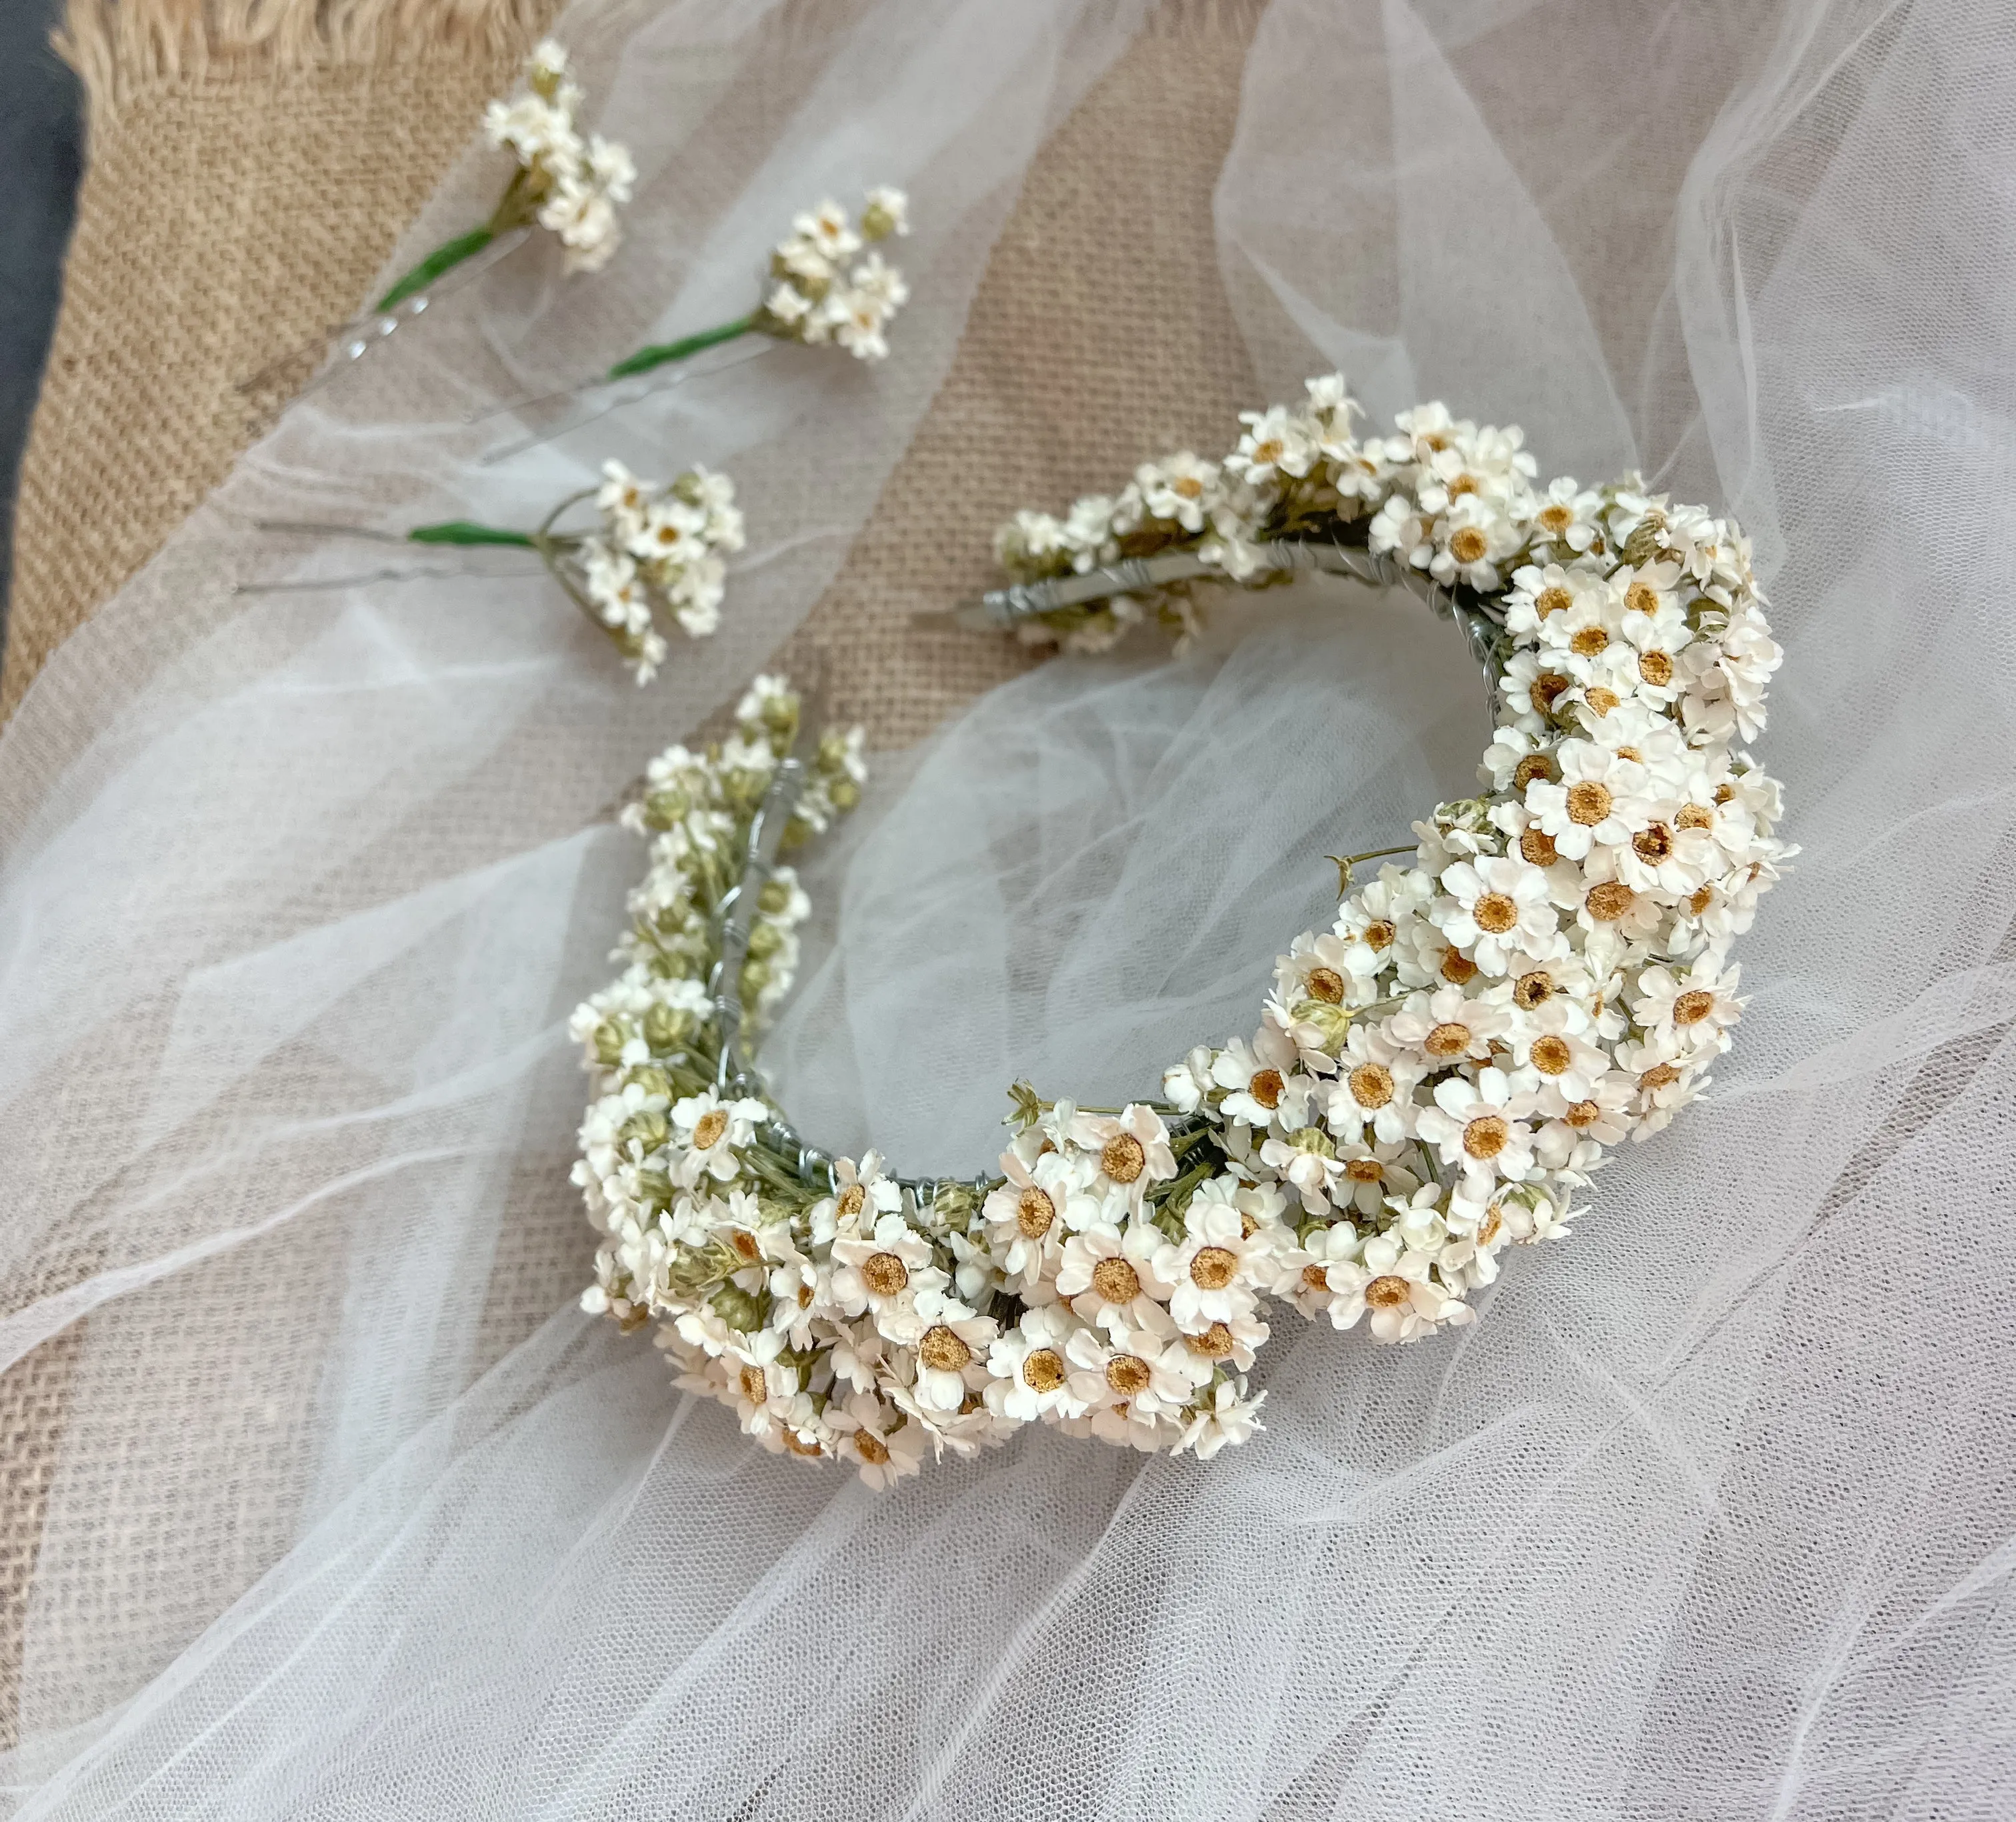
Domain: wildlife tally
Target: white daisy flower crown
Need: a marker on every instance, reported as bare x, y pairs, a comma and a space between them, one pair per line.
1438, 1073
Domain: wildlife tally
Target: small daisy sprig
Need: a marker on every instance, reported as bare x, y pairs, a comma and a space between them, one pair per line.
657, 550
570, 186
820, 292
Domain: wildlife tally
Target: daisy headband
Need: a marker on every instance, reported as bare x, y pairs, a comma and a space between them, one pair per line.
1437, 1075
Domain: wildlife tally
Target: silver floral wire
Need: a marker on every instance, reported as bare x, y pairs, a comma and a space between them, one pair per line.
581, 419
364, 579
328, 528
733, 915
1002, 608
348, 343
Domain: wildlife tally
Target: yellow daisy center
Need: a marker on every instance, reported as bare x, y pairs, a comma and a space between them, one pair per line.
1122, 1158
1116, 1280
885, 1273
942, 1350
1034, 1213
1213, 1267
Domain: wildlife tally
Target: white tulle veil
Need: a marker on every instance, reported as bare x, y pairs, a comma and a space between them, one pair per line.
1711, 1515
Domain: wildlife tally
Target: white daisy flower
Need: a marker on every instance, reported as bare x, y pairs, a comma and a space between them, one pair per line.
1046, 1196
1550, 1047
1306, 1160
1138, 1374
885, 1445
1375, 1081
1667, 1082
1654, 641
1496, 909
1585, 628
863, 1193
1031, 1375
708, 1130
789, 305
1478, 1232
1479, 1125
1448, 1027
860, 1355
1263, 1086
622, 499
883, 1273
1611, 905
1400, 1295
1234, 1343
856, 318
951, 1352
886, 212
1132, 1149
828, 228
1323, 1275
1645, 587
1532, 684
1473, 540
1570, 515
1107, 1271
1185, 1085
1223, 1415
1602, 1116
1180, 488
1696, 1007
1601, 797
1400, 530
1276, 442
1220, 1266
1370, 1173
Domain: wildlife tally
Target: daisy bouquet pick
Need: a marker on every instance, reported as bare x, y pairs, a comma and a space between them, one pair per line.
653, 559
569, 184
826, 284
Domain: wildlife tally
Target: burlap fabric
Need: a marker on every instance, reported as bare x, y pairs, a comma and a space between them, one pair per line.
232, 210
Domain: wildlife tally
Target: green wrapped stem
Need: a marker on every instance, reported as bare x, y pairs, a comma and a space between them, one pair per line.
664, 354
442, 259
463, 532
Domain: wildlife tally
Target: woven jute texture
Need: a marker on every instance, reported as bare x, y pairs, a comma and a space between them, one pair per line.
227, 220
1100, 336
231, 211
230, 214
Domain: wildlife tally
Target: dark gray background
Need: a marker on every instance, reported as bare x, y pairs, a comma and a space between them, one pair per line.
42, 153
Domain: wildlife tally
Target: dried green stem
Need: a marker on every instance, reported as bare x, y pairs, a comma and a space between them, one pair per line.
664, 354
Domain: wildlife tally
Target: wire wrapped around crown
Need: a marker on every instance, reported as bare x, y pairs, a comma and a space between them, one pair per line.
1437, 1075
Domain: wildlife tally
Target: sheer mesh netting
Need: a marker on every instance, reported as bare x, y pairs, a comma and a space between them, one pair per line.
352, 1512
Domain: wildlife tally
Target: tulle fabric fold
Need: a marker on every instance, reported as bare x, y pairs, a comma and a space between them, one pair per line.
1709, 1516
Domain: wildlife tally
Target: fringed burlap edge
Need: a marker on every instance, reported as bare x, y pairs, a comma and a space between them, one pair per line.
121, 49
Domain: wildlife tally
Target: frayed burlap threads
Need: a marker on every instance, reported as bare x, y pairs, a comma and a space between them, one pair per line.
122, 48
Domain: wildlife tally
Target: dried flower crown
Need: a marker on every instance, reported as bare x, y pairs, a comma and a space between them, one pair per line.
1436, 1074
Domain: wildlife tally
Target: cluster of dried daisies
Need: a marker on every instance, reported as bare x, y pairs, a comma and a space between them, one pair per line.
1436, 1076
570, 186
